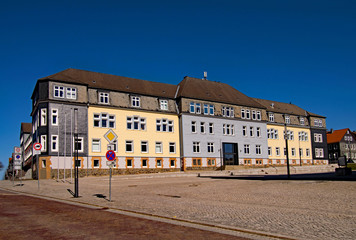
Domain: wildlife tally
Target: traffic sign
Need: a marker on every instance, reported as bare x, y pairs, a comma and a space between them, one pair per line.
110, 155
37, 146
17, 150
110, 136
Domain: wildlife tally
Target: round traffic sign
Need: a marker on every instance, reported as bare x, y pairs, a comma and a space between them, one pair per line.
110, 155
18, 156
37, 146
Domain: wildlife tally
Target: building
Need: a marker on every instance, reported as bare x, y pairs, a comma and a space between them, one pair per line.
26, 148
293, 120
319, 138
142, 114
220, 126
341, 143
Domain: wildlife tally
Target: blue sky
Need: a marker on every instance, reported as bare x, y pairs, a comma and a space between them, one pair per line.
302, 52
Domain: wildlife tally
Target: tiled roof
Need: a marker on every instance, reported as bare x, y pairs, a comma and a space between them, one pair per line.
26, 127
280, 107
336, 135
113, 82
214, 91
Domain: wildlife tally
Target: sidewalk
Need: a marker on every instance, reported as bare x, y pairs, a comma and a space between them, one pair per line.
297, 209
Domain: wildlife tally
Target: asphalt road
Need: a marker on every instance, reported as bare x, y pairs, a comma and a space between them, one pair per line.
26, 217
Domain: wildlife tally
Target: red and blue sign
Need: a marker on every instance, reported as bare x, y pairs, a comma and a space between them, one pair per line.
110, 155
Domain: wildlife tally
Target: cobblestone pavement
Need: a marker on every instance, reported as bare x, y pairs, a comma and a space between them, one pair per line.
296, 209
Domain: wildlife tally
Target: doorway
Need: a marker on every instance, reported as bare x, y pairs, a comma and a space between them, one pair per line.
230, 154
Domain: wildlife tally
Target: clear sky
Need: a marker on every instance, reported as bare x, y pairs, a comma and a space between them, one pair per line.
302, 52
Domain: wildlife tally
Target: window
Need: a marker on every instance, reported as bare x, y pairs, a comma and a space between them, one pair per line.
206, 109
290, 135
135, 101
211, 109
192, 107
129, 146
211, 162
114, 144
307, 152
104, 98
244, 131
96, 163
285, 151
258, 150
247, 148
243, 114
163, 104
194, 126
54, 117
228, 129
135, 123
104, 120
278, 151
303, 136
258, 115
71, 93
59, 91
258, 132
301, 152
172, 147
43, 116
319, 152
269, 151
172, 162
54, 143
302, 122
44, 143
164, 125
196, 162
251, 132
196, 147
271, 117
159, 147
318, 137
210, 147
78, 145
287, 119
293, 152
144, 162
195, 108
248, 114
211, 128
96, 145
227, 111
254, 115
144, 146
159, 162
129, 162
202, 127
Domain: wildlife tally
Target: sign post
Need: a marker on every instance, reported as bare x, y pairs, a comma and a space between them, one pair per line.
37, 151
110, 156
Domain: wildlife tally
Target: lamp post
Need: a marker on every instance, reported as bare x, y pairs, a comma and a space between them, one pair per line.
286, 139
76, 165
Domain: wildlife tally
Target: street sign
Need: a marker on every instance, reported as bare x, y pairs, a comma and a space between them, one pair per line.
37, 148
17, 150
110, 163
110, 155
110, 136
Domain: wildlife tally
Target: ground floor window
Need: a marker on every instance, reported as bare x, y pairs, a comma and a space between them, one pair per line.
211, 162
129, 162
159, 162
196, 162
172, 162
144, 162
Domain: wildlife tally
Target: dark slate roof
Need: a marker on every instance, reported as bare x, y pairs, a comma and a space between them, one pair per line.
113, 82
280, 107
214, 91
26, 127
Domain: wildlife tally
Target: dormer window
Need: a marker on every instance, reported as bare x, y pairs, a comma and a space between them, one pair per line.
62, 92
287, 119
271, 117
71, 93
59, 91
135, 101
163, 104
195, 108
104, 98
228, 111
301, 121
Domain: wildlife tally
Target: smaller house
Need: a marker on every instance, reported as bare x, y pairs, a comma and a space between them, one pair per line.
341, 143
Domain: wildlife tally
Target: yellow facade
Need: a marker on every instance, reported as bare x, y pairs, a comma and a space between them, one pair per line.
136, 136
296, 144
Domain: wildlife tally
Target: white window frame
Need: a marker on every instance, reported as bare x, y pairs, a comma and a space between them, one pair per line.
278, 151
258, 149
54, 115
44, 117
202, 127
247, 149
104, 98
271, 117
135, 101
144, 143
293, 152
206, 109
58, 91
254, 117
269, 151
307, 152
258, 132
196, 147
96, 142
287, 119
258, 114
158, 147
210, 147
44, 143
211, 128
211, 109
248, 116
163, 104
193, 126
252, 131
244, 131
71, 93
81, 141
302, 120
127, 144
243, 113
172, 145
54, 140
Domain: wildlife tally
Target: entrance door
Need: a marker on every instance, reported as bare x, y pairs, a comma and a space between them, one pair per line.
230, 154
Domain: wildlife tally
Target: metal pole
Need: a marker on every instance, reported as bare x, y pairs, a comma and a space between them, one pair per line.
65, 146
110, 185
76, 192
71, 145
13, 172
286, 139
38, 171
58, 152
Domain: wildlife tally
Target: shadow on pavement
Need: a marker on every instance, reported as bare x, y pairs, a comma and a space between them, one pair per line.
330, 176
